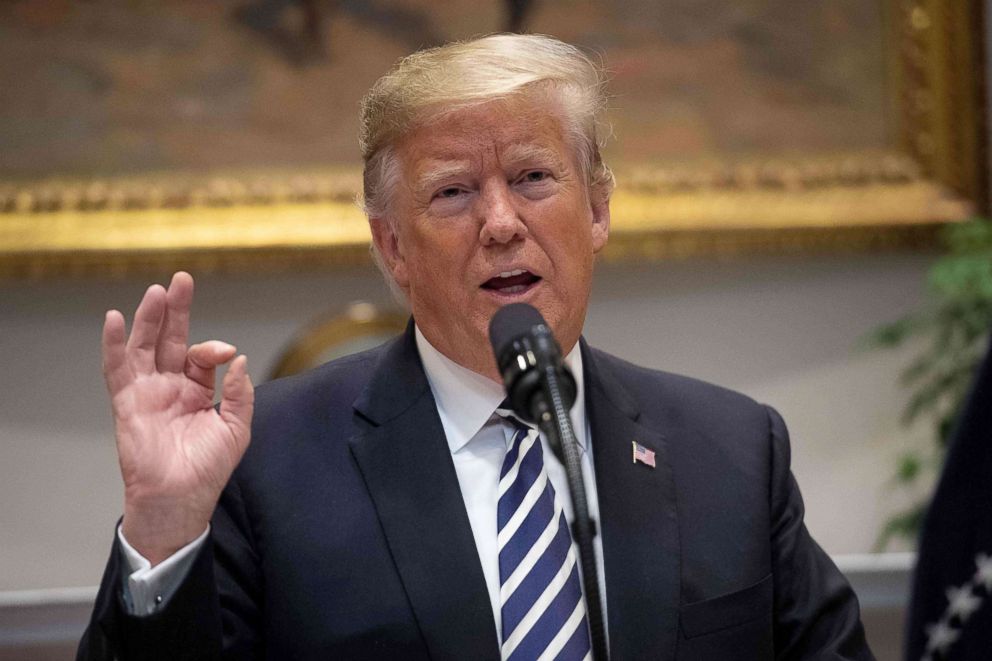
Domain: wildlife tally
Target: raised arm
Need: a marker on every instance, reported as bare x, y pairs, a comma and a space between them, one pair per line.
176, 450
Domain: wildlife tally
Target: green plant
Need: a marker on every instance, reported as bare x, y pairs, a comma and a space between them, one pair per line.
954, 325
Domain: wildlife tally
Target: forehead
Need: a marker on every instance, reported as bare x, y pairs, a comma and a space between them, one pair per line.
508, 129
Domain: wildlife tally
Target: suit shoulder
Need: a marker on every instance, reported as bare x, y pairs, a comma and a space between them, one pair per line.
680, 397
662, 382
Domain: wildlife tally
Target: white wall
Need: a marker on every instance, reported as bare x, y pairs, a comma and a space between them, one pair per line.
780, 329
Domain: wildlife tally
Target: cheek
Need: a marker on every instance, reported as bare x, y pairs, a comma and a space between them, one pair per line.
438, 274
572, 247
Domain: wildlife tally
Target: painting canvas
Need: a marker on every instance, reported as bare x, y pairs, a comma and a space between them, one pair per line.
156, 99
105, 87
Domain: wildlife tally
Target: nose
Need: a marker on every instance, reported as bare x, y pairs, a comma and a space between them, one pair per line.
500, 218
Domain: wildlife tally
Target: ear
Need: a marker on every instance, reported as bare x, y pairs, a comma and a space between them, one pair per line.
600, 206
388, 246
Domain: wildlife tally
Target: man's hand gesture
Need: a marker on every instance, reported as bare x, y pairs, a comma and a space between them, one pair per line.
176, 451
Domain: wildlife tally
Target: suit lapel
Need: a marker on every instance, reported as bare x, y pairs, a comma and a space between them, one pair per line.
638, 520
406, 464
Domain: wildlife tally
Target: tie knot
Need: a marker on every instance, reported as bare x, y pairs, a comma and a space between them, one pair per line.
506, 413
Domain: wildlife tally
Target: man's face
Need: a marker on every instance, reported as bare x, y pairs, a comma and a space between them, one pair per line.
492, 208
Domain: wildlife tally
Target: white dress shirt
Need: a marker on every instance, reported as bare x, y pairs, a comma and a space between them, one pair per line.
478, 442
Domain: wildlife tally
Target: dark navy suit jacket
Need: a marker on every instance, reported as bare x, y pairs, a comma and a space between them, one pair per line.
343, 534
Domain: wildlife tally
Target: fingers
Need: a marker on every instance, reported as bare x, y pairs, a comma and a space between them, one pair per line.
202, 361
115, 368
140, 347
238, 398
170, 352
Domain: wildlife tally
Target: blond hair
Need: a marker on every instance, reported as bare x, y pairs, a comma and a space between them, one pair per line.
465, 73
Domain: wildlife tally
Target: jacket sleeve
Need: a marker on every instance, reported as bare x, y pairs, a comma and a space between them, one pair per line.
816, 611
214, 613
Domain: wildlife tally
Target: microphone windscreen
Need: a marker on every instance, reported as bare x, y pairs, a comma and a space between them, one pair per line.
510, 322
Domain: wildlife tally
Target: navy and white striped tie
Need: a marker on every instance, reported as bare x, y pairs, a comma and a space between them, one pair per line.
544, 615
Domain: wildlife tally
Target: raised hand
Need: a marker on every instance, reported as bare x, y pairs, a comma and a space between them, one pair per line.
176, 451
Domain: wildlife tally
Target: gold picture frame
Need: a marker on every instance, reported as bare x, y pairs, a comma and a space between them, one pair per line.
306, 218
361, 325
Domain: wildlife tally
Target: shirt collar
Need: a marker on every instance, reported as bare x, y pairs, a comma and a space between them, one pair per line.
466, 400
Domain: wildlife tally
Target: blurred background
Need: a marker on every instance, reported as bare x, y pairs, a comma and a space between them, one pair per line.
794, 181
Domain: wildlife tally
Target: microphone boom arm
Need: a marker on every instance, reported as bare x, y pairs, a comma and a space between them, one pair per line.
556, 424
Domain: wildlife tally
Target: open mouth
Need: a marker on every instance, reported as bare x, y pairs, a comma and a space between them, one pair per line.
512, 282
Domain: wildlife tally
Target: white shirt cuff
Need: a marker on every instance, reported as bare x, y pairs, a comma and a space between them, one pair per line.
148, 588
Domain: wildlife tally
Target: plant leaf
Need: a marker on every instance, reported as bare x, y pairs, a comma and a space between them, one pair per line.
905, 525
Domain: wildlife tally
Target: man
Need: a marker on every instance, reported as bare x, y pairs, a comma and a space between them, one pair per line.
386, 507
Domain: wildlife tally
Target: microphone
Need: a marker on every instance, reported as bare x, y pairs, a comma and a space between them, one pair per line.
527, 354
541, 390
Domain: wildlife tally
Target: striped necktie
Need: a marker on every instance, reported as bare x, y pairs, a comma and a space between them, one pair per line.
544, 615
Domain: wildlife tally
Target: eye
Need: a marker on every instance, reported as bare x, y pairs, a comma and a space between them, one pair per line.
449, 192
534, 176
535, 184
450, 200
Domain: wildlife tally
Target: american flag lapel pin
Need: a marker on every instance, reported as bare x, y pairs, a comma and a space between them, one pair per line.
643, 454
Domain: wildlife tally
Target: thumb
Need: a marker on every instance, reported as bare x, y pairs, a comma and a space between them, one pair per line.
202, 360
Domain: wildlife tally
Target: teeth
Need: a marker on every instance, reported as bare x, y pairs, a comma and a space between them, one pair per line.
513, 290
510, 274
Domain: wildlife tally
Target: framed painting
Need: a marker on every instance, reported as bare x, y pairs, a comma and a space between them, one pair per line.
222, 134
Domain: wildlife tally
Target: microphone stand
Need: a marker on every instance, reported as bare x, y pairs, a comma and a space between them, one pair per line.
553, 419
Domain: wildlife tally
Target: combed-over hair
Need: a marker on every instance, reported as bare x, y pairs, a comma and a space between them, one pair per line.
461, 74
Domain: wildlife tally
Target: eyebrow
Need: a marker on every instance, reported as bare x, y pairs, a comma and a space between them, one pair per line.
518, 153
433, 175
